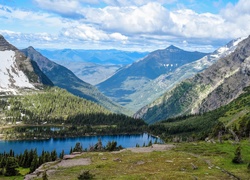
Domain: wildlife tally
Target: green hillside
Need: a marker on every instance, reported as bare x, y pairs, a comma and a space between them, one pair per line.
233, 117
39, 113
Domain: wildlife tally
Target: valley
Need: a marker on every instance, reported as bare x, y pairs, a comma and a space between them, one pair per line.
198, 106
124, 90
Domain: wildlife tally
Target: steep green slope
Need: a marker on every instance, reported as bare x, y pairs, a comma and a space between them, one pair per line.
53, 104
34, 115
214, 87
234, 116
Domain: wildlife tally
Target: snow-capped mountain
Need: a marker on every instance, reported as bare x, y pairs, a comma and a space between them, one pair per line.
128, 81
212, 88
154, 89
17, 72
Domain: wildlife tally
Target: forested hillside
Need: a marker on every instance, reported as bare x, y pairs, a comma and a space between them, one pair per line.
230, 121
37, 114
64, 78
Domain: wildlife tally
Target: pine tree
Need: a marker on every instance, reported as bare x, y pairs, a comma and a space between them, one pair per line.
10, 168
34, 164
61, 154
53, 155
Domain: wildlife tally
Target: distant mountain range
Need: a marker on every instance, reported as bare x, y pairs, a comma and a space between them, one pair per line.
218, 85
92, 66
111, 56
91, 73
125, 87
64, 78
17, 72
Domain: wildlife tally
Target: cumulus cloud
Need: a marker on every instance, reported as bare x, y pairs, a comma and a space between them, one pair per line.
66, 8
136, 2
89, 33
237, 18
191, 24
140, 23
149, 18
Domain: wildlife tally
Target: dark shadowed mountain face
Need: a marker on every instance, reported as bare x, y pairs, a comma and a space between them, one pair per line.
17, 72
133, 77
64, 78
214, 87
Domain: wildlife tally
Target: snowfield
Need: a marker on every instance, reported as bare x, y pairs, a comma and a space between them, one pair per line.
11, 77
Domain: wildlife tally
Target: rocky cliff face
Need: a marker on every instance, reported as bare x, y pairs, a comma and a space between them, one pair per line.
17, 72
216, 86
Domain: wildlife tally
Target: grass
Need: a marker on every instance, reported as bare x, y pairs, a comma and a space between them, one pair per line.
22, 171
178, 163
210, 160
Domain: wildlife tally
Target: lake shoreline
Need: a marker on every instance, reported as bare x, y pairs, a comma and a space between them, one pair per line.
88, 135
59, 144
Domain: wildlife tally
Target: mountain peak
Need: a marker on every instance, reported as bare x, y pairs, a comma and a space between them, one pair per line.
4, 45
172, 47
31, 48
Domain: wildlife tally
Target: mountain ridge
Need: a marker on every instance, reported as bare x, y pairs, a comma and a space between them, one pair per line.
64, 78
130, 79
18, 72
216, 86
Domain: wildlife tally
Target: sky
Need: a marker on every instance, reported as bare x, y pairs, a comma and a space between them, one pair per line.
132, 25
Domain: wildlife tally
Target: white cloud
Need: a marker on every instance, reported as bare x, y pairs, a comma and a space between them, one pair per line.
59, 6
136, 2
85, 32
191, 24
120, 23
237, 18
89, 33
149, 18
118, 36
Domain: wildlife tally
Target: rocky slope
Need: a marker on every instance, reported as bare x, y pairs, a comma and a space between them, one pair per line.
64, 78
165, 82
131, 79
216, 86
17, 72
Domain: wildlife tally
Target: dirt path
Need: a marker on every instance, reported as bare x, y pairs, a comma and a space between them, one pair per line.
154, 147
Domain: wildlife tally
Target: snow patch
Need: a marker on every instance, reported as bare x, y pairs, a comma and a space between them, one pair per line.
10, 75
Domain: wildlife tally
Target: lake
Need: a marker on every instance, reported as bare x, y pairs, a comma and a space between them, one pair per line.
65, 144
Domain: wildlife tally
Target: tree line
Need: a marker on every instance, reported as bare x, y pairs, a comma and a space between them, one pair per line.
9, 162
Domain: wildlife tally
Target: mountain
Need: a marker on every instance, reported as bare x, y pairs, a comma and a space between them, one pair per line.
17, 72
111, 56
64, 78
231, 117
129, 80
218, 85
89, 72
92, 66
165, 82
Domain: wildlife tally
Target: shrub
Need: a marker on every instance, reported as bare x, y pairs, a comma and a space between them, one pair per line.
85, 175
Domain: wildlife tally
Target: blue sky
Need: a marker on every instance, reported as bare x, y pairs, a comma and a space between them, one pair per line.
141, 25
